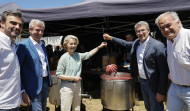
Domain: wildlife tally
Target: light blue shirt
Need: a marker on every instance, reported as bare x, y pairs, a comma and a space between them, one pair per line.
42, 56
140, 55
71, 65
179, 58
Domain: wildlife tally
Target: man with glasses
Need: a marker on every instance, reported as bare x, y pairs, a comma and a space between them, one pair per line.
148, 62
178, 50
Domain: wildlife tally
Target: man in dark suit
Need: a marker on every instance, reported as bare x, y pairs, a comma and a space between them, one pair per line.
35, 72
148, 61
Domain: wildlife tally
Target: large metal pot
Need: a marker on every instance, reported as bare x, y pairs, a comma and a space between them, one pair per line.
117, 92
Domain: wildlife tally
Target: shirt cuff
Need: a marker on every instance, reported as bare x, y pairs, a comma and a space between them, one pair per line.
22, 91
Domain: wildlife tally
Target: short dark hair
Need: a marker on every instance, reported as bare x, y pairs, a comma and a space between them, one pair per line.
11, 12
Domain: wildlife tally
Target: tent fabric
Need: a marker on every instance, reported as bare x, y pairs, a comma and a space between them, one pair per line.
92, 16
53, 40
103, 8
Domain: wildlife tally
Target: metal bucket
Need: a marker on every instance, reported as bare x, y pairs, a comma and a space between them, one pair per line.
117, 92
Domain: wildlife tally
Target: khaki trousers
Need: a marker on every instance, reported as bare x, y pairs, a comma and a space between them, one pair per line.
70, 94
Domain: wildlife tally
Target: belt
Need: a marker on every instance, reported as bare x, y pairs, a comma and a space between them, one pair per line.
45, 78
72, 81
143, 79
184, 85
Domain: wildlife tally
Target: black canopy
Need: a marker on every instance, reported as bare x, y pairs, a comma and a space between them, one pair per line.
95, 16
102, 8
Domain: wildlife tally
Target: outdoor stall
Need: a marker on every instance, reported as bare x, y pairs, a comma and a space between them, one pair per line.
89, 20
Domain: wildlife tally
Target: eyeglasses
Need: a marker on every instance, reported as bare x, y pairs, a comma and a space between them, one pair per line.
167, 26
139, 31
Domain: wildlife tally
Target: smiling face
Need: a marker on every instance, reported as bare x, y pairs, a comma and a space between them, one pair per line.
169, 27
37, 32
12, 27
142, 32
71, 46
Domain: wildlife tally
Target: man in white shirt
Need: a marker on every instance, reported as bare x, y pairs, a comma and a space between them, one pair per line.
178, 50
35, 72
10, 91
148, 61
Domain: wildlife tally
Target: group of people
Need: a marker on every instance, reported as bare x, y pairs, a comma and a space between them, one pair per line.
25, 73
24, 69
150, 60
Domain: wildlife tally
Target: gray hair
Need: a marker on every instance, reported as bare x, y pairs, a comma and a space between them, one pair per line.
174, 15
67, 38
11, 12
141, 23
36, 21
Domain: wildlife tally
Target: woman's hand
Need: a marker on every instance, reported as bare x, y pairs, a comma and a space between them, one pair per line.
102, 45
93, 51
77, 79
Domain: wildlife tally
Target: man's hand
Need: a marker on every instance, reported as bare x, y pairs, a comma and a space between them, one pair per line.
107, 37
49, 89
25, 98
160, 97
169, 76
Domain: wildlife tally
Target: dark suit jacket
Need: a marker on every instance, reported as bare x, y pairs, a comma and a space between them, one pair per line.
154, 62
31, 67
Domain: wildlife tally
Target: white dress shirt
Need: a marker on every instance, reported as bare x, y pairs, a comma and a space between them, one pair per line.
42, 56
179, 58
140, 54
10, 84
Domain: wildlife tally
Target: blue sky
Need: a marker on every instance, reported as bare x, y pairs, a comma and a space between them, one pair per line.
33, 4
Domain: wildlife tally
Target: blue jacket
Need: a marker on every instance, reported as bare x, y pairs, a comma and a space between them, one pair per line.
154, 62
31, 67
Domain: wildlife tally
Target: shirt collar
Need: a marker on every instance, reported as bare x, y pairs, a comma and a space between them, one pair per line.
34, 42
145, 42
12, 42
178, 35
6, 38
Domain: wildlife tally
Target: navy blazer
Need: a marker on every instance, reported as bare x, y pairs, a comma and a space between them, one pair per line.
154, 62
31, 67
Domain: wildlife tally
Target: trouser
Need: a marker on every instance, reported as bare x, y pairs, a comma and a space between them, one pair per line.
151, 104
70, 94
178, 98
13, 109
38, 103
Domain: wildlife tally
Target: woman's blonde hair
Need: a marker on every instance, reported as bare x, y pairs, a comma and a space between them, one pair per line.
66, 40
